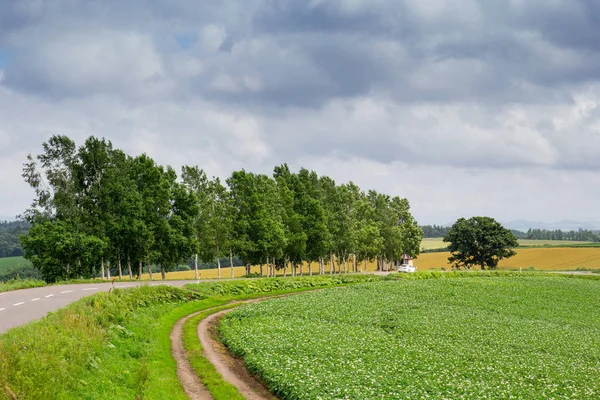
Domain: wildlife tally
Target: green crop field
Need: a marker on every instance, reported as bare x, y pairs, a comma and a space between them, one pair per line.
12, 262
529, 337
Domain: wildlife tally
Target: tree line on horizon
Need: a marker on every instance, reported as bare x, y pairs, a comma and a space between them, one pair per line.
97, 208
580, 235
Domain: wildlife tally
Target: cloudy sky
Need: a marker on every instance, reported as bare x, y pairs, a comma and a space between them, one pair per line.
464, 107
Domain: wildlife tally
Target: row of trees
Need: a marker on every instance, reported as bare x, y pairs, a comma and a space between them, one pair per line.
96, 207
583, 235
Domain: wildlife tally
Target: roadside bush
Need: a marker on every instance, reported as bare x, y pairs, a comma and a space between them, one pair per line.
15, 284
236, 288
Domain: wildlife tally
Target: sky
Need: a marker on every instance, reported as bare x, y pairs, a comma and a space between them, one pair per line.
463, 107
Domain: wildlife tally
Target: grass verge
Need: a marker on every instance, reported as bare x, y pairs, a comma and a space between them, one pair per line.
107, 346
16, 284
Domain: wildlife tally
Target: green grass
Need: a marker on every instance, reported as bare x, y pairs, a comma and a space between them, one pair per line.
212, 380
107, 346
20, 284
496, 337
8, 263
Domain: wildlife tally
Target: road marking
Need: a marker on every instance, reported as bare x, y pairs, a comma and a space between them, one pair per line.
66, 291
50, 295
2, 294
2, 309
36, 299
92, 288
18, 304
124, 286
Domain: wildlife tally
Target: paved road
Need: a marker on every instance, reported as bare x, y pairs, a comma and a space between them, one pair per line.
21, 306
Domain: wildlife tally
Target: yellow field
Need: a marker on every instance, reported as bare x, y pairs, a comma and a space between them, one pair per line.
438, 243
551, 259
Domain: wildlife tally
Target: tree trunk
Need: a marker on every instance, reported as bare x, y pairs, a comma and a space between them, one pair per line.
141, 270
345, 264
285, 264
331, 268
163, 273
355, 263
108, 270
365, 266
102, 268
482, 266
149, 269
247, 269
196, 276
309, 268
321, 266
120, 270
293, 268
268, 268
129, 267
219, 267
261, 270
231, 263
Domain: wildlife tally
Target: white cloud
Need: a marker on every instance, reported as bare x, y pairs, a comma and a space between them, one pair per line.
465, 108
84, 61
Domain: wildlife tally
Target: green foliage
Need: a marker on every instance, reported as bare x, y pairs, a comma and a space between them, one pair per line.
105, 208
393, 340
479, 241
236, 288
60, 252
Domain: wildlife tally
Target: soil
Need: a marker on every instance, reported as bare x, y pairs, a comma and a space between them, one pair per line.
192, 386
231, 368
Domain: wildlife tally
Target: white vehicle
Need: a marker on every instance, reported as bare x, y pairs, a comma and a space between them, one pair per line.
407, 268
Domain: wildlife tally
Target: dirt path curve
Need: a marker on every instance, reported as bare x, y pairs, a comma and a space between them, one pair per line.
190, 381
232, 369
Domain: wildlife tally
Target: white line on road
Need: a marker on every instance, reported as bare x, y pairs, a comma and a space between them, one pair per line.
92, 288
2, 309
66, 291
18, 304
36, 299
50, 295
124, 286
2, 294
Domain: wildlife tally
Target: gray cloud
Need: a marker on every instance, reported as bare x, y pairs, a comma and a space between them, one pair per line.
461, 106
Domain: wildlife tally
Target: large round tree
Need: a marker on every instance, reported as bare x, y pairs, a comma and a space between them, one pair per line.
479, 241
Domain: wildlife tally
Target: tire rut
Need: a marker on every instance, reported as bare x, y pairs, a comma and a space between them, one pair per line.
190, 381
232, 369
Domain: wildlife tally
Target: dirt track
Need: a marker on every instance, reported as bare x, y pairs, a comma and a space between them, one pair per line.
194, 389
232, 369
